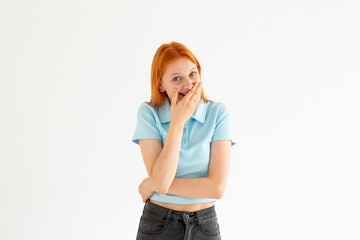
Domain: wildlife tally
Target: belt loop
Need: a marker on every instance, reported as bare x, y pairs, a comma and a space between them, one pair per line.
197, 217
168, 216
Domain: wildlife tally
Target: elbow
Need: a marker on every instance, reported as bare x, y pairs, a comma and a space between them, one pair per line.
162, 191
219, 191
218, 195
160, 187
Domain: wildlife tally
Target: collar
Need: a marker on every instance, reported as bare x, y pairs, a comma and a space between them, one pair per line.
199, 114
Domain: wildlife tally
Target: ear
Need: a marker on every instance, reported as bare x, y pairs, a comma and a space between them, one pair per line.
161, 88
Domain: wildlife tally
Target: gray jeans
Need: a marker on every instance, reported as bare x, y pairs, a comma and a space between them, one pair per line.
157, 223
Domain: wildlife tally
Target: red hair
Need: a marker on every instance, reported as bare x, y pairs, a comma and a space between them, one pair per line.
165, 54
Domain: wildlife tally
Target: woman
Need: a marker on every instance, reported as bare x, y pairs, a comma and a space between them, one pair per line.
185, 141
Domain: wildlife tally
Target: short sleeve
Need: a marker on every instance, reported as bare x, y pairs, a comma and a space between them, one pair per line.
146, 126
222, 129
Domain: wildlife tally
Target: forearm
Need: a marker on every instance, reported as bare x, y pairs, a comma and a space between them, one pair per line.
195, 188
164, 169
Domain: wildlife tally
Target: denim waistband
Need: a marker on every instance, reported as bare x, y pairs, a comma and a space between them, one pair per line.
167, 214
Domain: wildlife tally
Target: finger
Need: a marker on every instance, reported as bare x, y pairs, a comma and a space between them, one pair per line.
197, 93
192, 91
197, 100
174, 98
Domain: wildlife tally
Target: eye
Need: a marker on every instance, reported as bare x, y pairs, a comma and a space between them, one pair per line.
192, 74
176, 78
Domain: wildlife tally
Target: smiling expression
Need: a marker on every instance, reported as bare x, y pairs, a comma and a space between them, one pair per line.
181, 74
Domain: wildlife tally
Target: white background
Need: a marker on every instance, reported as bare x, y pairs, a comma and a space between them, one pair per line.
73, 74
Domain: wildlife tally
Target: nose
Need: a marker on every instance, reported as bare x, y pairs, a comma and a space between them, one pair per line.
188, 84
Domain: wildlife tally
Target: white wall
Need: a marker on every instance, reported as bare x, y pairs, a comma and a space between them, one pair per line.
73, 74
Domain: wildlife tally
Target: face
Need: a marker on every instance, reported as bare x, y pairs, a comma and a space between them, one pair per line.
181, 74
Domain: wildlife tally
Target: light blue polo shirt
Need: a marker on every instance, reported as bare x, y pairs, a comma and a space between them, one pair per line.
210, 121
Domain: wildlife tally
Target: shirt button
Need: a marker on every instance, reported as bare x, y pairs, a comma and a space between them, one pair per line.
187, 216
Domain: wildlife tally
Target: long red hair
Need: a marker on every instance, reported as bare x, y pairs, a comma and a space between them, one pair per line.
165, 54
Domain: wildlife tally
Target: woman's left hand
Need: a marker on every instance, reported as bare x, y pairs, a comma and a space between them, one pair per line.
146, 189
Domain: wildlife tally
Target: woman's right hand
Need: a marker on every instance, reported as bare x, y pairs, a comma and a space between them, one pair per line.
181, 111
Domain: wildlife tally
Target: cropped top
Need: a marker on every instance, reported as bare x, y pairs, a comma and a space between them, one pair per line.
210, 121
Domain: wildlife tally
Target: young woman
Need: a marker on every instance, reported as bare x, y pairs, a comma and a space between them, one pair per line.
185, 141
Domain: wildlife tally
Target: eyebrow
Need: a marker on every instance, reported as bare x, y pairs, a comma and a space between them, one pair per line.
178, 73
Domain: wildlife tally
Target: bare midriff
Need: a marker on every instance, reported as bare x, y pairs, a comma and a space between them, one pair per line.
184, 207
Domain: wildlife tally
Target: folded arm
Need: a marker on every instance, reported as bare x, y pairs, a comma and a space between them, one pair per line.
161, 162
212, 186
195, 188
